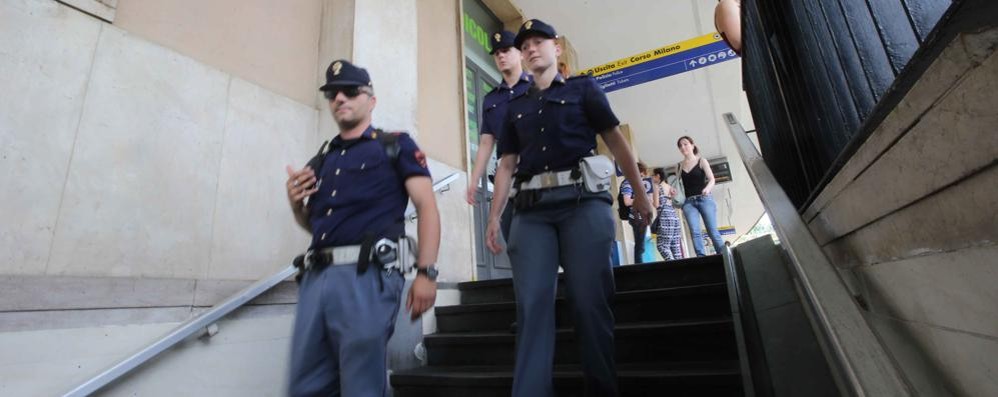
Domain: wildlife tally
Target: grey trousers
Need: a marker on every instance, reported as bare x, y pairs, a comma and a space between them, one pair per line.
342, 326
575, 231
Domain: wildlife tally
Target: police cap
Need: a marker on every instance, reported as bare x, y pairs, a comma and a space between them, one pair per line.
534, 27
344, 73
502, 40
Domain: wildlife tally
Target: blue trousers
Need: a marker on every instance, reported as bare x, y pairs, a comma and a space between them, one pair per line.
702, 206
342, 326
573, 230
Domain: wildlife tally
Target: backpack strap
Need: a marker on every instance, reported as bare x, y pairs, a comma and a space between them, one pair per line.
389, 141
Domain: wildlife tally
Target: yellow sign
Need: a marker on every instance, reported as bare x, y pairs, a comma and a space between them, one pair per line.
653, 54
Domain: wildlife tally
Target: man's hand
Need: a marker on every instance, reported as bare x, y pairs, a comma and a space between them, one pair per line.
643, 208
300, 184
492, 237
422, 294
469, 195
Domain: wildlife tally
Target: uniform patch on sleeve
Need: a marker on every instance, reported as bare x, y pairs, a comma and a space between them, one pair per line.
420, 158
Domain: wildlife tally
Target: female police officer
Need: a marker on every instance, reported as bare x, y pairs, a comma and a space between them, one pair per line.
557, 221
358, 194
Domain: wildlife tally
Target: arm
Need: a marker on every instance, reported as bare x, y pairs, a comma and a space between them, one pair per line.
504, 180
710, 176
424, 292
300, 184
485, 144
615, 141
654, 195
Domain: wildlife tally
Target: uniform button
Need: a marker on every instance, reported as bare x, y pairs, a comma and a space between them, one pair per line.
337, 171
544, 148
362, 165
319, 183
493, 105
540, 111
510, 91
342, 152
562, 101
542, 129
545, 168
540, 98
329, 212
323, 237
518, 115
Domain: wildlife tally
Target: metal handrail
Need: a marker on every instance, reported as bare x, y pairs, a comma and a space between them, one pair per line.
199, 323
738, 309
859, 362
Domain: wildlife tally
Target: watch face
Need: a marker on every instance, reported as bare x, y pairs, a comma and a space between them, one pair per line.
431, 272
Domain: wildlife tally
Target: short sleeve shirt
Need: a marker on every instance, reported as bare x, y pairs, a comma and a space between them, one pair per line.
361, 191
552, 129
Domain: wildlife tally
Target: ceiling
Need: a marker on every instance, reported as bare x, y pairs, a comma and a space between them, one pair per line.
661, 111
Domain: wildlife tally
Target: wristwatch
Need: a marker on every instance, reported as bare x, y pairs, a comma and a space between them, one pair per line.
429, 271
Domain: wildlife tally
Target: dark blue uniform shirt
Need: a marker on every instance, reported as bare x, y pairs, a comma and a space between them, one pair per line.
553, 129
496, 102
362, 191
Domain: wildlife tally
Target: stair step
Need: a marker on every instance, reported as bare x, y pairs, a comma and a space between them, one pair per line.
708, 339
715, 378
678, 273
676, 303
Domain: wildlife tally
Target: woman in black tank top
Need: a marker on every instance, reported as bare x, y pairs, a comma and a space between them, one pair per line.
698, 181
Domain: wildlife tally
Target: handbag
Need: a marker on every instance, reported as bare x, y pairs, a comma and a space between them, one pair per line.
680, 197
596, 171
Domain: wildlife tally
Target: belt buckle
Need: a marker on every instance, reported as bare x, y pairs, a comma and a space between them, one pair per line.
548, 179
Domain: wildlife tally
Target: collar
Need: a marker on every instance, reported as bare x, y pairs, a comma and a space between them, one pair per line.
368, 134
558, 78
524, 78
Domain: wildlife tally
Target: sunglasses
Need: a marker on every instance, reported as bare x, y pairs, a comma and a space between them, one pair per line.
351, 91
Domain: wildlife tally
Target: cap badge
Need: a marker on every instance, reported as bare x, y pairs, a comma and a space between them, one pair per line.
498, 37
528, 24
336, 68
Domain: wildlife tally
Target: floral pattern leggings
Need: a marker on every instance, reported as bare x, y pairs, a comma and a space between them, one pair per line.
669, 229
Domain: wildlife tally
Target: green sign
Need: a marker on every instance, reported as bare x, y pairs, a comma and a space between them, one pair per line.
479, 24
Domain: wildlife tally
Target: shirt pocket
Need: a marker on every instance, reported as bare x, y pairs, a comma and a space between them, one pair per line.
566, 111
371, 175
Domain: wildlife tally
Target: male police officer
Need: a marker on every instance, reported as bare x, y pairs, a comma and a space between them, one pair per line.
557, 220
515, 82
349, 294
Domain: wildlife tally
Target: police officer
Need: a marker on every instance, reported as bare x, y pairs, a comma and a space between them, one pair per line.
558, 222
348, 300
515, 82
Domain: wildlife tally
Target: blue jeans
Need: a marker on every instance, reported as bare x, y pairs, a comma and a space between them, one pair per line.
702, 206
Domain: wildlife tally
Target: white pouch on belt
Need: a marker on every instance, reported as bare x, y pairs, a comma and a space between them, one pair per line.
596, 172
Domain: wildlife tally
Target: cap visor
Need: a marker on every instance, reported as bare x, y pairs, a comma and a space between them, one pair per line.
342, 83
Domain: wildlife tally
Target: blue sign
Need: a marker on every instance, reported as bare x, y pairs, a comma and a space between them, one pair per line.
667, 61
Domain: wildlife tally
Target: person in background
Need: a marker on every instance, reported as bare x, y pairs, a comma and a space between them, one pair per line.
515, 83
639, 226
668, 229
698, 181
